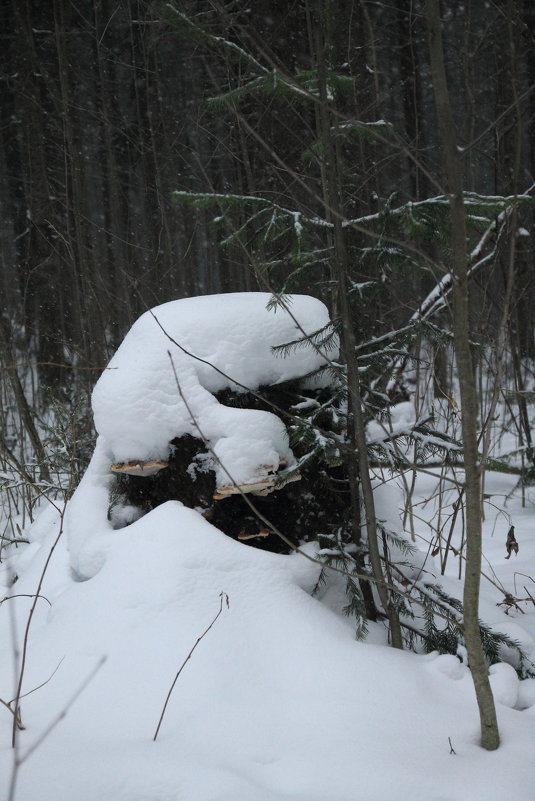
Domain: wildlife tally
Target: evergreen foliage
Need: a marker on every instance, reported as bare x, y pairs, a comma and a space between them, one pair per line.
295, 245
443, 630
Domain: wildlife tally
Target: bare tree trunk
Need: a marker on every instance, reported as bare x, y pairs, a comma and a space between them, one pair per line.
358, 462
453, 159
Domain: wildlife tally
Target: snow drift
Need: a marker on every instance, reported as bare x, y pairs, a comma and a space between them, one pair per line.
277, 702
160, 384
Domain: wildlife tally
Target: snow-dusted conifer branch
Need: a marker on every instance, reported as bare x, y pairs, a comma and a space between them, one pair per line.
334, 219
427, 220
413, 212
369, 225
437, 299
475, 205
181, 20
351, 575
305, 84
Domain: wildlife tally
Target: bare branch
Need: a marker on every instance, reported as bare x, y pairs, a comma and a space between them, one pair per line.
223, 598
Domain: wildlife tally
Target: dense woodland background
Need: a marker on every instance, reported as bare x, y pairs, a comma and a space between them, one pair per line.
104, 115
153, 151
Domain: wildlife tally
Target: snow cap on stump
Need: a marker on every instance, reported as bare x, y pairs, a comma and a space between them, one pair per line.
160, 383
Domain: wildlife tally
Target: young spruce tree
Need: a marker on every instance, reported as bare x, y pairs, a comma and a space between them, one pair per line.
313, 237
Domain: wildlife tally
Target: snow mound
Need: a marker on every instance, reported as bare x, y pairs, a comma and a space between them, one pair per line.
271, 705
159, 386
177, 355
505, 684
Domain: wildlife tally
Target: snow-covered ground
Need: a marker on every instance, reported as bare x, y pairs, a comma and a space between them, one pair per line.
278, 700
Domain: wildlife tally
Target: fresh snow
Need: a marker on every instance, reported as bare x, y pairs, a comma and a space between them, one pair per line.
220, 341
160, 383
278, 701
401, 419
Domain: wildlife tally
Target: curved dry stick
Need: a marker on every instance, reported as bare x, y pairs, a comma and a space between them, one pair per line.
25, 695
18, 695
223, 597
24, 595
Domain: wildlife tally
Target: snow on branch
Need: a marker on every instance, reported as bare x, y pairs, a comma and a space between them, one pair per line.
234, 51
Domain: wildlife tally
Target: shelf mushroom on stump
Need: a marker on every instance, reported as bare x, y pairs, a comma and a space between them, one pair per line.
200, 387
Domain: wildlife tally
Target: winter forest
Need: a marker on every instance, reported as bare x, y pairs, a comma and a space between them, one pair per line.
267, 400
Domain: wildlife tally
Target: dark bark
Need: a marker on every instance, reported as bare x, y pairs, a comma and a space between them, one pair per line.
314, 508
358, 463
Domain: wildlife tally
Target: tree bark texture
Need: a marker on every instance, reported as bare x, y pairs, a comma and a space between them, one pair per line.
453, 159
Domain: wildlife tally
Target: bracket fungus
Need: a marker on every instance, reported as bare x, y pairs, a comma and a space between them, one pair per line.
138, 468
199, 391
